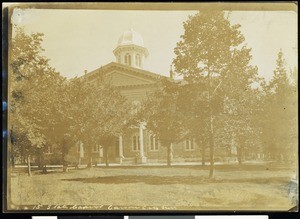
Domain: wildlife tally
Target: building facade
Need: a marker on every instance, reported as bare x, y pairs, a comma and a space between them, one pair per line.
127, 74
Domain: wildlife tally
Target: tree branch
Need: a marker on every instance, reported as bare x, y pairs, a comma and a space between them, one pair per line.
216, 88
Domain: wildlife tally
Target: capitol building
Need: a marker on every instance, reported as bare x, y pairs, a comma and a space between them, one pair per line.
135, 83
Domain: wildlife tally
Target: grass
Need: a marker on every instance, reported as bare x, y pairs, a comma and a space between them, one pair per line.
234, 187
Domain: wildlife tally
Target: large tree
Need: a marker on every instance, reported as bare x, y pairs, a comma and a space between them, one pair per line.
211, 53
280, 114
99, 113
163, 117
60, 130
33, 90
240, 88
194, 114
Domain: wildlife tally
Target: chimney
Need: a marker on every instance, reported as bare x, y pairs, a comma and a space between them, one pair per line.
85, 71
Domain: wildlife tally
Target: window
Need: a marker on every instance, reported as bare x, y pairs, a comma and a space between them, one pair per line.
138, 60
96, 148
136, 106
189, 145
78, 147
127, 59
153, 143
136, 142
50, 149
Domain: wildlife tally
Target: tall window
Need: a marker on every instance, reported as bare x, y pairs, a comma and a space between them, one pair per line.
127, 59
136, 106
138, 60
80, 147
50, 149
96, 148
136, 142
153, 143
189, 145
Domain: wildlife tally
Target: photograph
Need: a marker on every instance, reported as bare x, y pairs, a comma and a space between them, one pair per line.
151, 107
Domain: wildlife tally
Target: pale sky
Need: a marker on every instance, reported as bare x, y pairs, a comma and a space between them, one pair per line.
76, 40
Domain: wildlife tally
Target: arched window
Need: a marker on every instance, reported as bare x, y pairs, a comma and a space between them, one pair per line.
127, 59
138, 60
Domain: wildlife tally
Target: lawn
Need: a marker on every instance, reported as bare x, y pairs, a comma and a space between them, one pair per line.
247, 187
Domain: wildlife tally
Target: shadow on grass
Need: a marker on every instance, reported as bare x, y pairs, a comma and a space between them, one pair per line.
245, 167
167, 180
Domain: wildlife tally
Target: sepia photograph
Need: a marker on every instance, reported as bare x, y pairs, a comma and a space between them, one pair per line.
152, 107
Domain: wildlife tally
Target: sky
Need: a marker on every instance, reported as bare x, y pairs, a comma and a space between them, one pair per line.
78, 40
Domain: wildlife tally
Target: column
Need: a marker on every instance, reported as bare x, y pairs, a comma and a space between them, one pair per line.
171, 151
142, 158
121, 156
141, 139
81, 152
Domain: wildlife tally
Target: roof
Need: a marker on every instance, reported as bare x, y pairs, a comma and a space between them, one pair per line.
131, 37
117, 66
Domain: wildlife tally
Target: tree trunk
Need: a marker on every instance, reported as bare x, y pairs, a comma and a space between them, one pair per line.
45, 168
64, 163
239, 155
63, 155
23, 156
89, 154
169, 153
40, 159
43, 165
211, 129
28, 165
12, 161
211, 154
65, 167
12, 157
106, 156
90, 163
203, 155
211, 140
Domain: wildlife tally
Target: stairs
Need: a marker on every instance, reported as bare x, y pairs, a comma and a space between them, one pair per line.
129, 160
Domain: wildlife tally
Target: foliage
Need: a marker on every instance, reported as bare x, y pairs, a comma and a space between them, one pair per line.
99, 113
280, 114
212, 55
162, 116
49, 110
34, 91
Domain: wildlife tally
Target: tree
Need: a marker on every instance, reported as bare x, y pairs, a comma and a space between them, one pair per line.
210, 50
60, 131
99, 113
280, 113
194, 114
33, 88
162, 117
237, 120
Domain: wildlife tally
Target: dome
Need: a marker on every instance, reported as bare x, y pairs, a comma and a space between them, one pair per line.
131, 37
